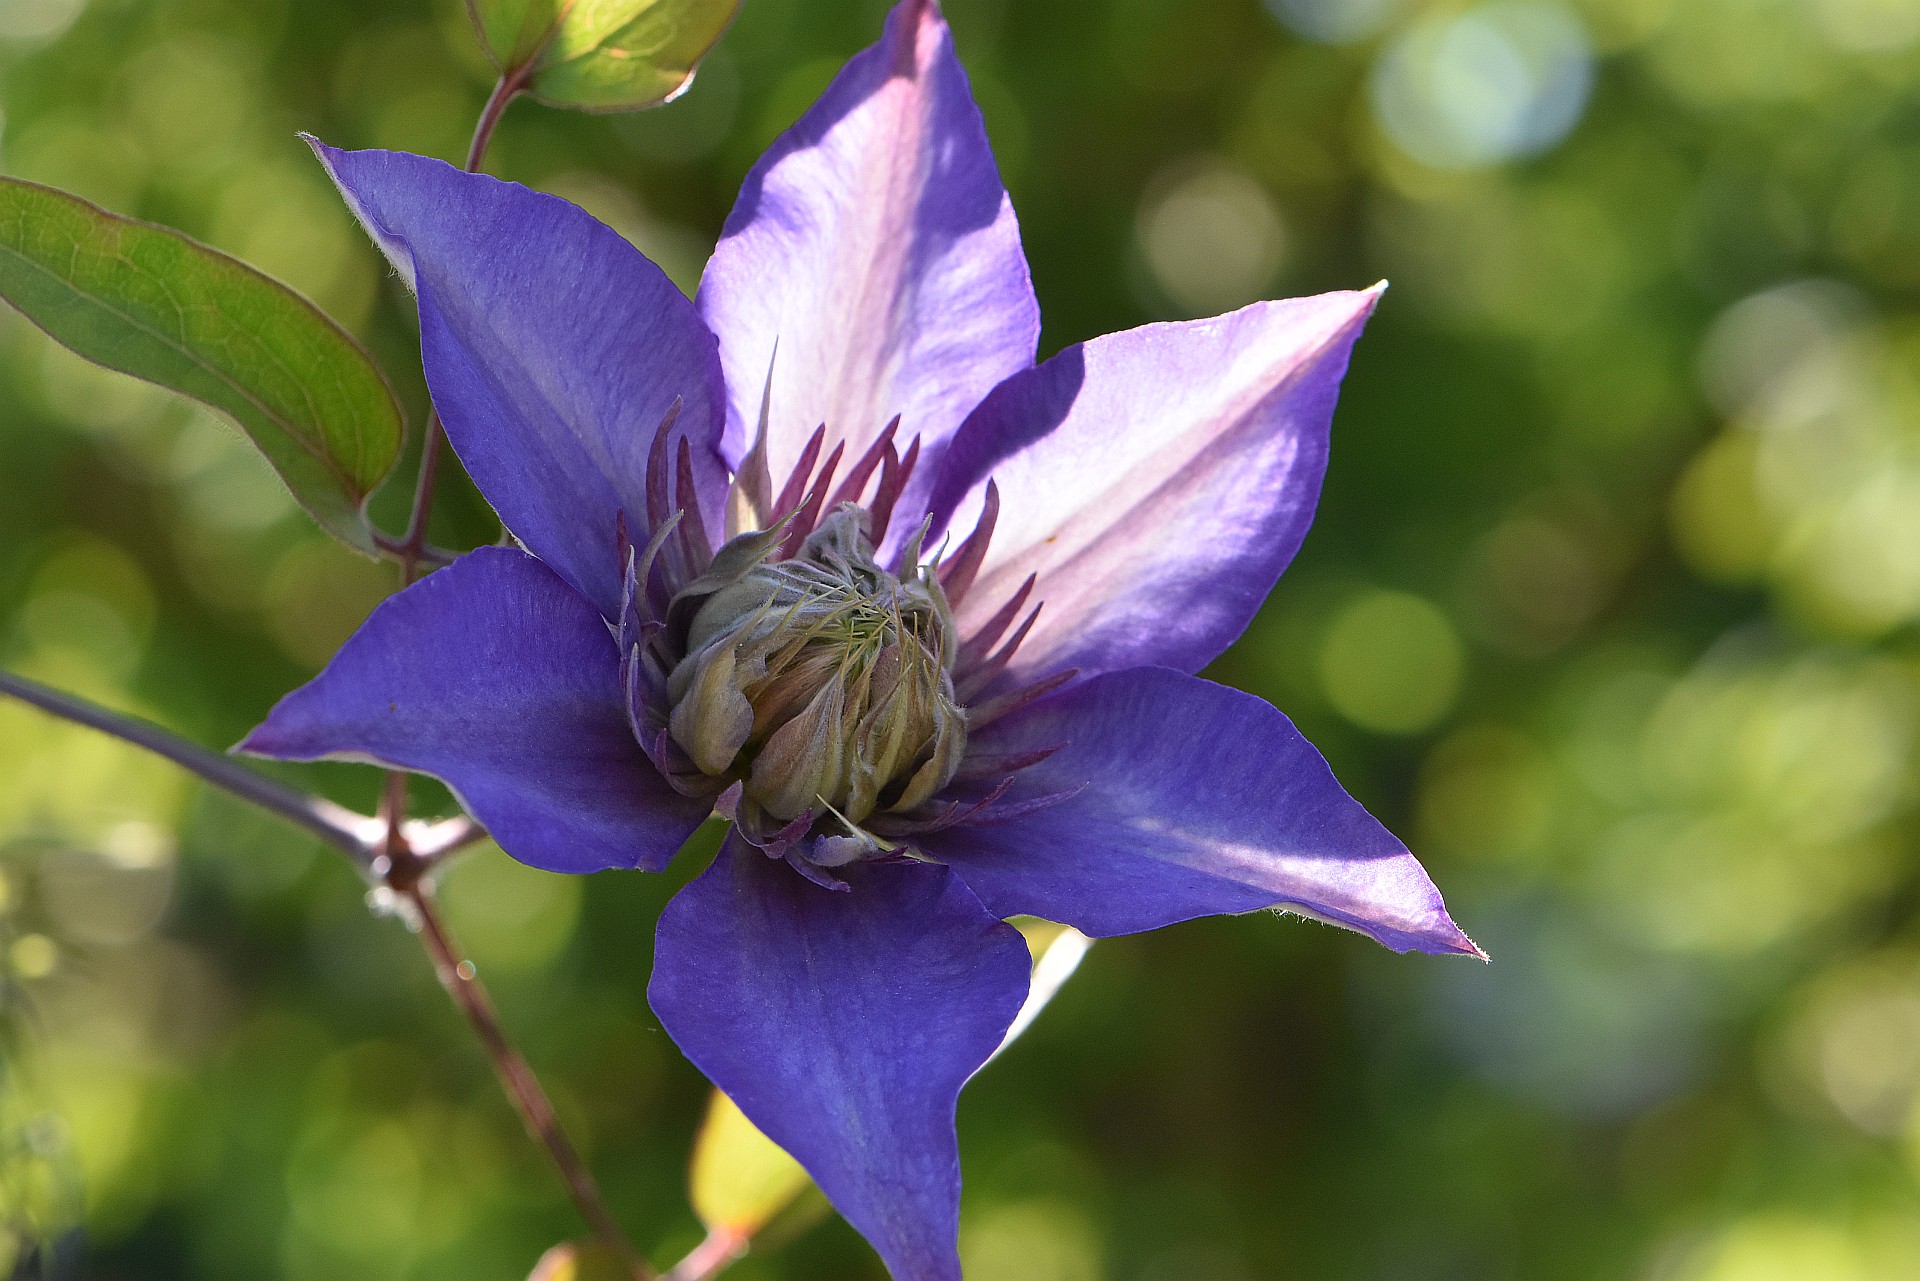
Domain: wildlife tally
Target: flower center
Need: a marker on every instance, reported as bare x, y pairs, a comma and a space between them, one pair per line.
821, 682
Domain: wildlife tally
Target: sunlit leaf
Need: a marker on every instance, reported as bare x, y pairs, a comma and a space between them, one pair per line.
740, 1179
570, 1261
1038, 933
153, 303
513, 31
1057, 952
601, 55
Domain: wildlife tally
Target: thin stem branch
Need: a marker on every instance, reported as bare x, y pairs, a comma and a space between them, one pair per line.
406, 854
505, 91
411, 549
428, 554
433, 842
393, 805
335, 824
522, 1087
711, 1257
390, 851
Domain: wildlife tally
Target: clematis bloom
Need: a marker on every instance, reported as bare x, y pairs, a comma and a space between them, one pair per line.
827, 552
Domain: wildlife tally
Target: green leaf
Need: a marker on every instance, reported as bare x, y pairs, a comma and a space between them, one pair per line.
578, 1262
153, 303
1057, 951
601, 55
740, 1179
513, 31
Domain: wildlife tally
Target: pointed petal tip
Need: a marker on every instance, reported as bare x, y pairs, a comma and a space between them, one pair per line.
1430, 935
920, 11
1344, 324
267, 741
1364, 301
324, 152
1430, 931
912, 32
253, 744
1444, 938
1461, 945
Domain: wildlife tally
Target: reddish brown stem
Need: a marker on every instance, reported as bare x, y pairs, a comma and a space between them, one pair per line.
335, 824
404, 871
411, 550
412, 547
516, 1077
711, 1257
509, 87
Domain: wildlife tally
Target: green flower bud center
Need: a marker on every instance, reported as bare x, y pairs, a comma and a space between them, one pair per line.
821, 682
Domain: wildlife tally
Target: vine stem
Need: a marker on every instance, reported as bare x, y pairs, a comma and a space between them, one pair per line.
462, 982
711, 1257
398, 856
362, 838
405, 867
353, 834
412, 550
510, 86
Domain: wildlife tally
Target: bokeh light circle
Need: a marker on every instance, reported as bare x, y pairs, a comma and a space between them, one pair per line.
1211, 237
1335, 21
1499, 82
1391, 663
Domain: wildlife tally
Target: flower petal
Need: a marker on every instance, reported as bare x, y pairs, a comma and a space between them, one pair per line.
553, 349
1157, 481
875, 247
499, 679
844, 1024
1195, 799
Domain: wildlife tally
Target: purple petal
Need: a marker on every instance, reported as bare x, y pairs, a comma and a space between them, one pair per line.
875, 246
1197, 800
844, 1024
502, 681
1156, 481
553, 349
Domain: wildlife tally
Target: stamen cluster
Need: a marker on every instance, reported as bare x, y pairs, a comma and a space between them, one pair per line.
822, 681
822, 699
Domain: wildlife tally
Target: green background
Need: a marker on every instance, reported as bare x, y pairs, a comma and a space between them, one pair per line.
1609, 611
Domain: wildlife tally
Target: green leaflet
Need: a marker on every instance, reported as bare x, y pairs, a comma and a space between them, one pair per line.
740, 1180
601, 55
153, 303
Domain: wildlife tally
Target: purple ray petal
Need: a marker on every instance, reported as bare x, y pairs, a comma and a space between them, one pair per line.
553, 349
875, 245
1199, 800
1157, 481
496, 677
844, 1024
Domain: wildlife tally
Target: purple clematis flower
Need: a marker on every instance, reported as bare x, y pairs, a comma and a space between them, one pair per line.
828, 553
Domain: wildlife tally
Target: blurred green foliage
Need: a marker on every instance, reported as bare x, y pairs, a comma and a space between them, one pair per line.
1610, 610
